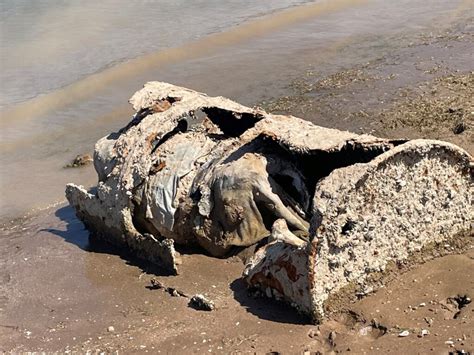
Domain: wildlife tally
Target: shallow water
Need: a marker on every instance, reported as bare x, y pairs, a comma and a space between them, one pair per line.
48, 44
66, 77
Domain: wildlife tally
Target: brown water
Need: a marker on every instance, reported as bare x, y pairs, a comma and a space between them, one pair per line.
248, 62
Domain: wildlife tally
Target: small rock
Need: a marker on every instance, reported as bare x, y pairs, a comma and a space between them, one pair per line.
110, 329
424, 332
155, 285
405, 333
449, 342
201, 303
459, 127
332, 338
314, 333
422, 304
80, 160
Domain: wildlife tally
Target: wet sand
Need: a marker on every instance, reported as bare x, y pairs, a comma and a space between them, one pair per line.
63, 294
60, 293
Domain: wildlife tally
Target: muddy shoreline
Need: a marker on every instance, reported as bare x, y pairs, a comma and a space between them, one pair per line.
59, 292
417, 89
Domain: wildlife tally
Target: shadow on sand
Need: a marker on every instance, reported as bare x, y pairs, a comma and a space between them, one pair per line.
266, 308
263, 308
77, 234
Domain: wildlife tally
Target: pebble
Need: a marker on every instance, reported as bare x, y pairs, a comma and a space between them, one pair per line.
80, 160
314, 333
110, 329
366, 330
200, 302
405, 333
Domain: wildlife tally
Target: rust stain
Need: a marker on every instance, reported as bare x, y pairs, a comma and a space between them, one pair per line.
269, 281
161, 106
160, 165
289, 268
150, 139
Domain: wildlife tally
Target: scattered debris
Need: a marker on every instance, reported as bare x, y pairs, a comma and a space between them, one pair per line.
157, 285
446, 102
201, 303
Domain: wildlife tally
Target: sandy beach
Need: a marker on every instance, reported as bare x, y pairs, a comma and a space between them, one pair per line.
399, 73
